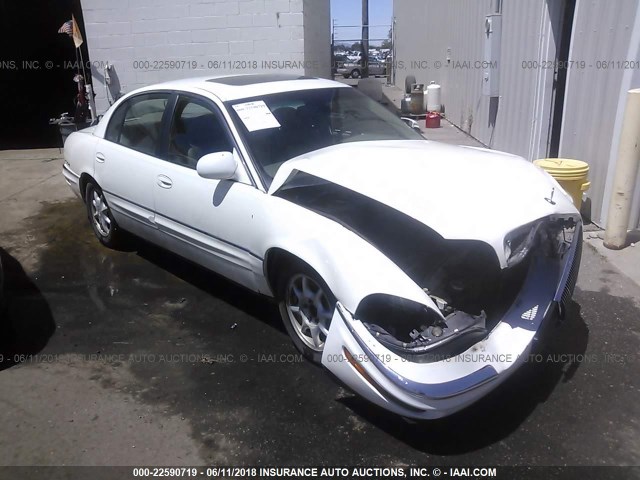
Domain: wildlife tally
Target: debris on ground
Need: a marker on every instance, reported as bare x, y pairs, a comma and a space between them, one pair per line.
207, 359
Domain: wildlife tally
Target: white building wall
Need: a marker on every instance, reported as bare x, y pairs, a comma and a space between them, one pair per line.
520, 121
595, 97
430, 30
317, 42
204, 37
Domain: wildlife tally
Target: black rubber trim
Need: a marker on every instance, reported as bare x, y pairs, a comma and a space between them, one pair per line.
192, 228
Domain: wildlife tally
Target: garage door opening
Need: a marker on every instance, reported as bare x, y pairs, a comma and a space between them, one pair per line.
37, 66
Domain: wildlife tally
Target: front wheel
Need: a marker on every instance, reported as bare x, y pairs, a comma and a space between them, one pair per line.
100, 217
355, 74
306, 306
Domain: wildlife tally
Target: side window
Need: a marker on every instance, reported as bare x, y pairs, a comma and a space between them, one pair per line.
196, 130
137, 124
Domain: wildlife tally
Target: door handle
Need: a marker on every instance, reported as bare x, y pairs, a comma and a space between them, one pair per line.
100, 157
164, 181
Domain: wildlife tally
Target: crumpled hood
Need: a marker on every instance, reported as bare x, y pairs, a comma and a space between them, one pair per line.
460, 192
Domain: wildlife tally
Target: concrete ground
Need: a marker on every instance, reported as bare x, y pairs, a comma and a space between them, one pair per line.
626, 260
447, 133
138, 357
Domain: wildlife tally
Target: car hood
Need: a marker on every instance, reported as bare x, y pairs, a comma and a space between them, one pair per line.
460, 192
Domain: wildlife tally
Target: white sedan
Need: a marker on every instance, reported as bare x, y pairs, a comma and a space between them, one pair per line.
420, 274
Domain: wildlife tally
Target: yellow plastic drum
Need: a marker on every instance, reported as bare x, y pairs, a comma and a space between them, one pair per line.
570, 174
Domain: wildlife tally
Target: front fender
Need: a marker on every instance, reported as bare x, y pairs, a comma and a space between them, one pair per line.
351, 267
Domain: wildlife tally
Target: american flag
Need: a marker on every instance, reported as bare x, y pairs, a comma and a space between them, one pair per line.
67, 27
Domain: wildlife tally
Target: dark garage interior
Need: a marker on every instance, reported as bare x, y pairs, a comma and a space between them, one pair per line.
33, 91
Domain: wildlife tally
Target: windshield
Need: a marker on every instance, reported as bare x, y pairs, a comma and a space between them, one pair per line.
276, 128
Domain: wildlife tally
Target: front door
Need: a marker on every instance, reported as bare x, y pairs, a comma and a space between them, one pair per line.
207, 221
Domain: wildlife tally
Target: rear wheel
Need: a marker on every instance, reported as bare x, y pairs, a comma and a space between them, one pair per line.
306, 306
100, 217
355, 74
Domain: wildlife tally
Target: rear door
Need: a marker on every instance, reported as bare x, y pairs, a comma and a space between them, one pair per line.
127, 160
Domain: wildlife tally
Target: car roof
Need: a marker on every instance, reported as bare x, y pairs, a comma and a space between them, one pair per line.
234, 87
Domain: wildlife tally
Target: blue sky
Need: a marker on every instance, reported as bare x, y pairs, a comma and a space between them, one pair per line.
349, 12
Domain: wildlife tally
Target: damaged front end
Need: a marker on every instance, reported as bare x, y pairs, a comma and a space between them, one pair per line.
403, 357
471, 291
419, 359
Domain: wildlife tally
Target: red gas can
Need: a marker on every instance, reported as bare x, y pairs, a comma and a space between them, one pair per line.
433, 120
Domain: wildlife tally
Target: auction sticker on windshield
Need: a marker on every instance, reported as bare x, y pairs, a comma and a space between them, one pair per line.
256, 116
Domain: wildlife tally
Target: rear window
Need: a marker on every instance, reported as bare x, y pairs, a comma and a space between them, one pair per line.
137, 124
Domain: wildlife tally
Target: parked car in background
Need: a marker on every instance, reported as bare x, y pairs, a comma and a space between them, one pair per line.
418, 273
353, 69
354, 55
338, 61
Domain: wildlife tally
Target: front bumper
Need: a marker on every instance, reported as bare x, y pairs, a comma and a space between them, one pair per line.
438, 389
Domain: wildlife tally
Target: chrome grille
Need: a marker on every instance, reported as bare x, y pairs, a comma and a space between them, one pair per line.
569, 287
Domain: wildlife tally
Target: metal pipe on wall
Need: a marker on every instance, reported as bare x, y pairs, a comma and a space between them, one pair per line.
615, 236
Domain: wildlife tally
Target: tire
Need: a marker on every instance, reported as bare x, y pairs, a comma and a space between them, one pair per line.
408, 81
355, 74
306, 306
100, 217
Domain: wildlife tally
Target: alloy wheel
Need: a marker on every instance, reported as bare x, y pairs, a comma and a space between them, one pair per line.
100, 213
309, 310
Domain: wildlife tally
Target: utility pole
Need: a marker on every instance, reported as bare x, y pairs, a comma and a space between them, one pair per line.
365, 38
333, 48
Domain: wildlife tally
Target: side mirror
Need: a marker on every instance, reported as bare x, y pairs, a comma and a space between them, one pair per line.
217, 166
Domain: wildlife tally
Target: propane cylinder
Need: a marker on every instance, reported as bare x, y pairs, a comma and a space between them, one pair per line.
434, 103
417, 99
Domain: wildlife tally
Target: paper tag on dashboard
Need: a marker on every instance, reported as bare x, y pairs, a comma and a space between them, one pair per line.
256, 116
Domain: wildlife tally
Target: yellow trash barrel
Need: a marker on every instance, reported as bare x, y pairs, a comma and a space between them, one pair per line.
570, 174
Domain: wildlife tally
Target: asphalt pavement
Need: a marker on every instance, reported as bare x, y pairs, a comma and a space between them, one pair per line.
139, 357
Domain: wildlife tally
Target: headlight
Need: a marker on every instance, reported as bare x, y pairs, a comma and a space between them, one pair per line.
519, 242
411, 329
554, 232
396, 316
